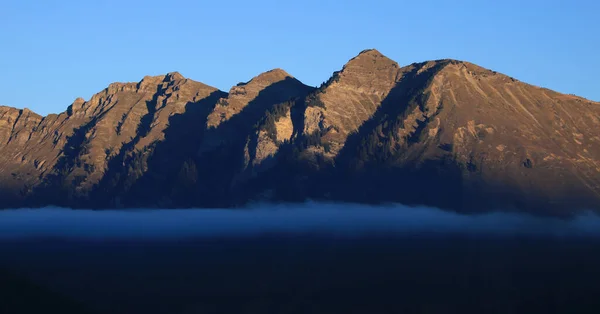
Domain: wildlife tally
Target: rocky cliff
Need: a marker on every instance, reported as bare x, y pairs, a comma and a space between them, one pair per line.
445, 133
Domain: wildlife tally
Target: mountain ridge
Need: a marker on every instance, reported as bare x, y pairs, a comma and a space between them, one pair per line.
82, 99
446, 133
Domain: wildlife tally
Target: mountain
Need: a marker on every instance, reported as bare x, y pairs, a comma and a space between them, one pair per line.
89, 150
443, 133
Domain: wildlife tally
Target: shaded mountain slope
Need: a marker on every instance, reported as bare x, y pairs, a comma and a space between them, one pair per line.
234, 141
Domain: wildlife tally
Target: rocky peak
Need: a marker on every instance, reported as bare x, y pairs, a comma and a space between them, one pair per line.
78, 101
271, 76
173, 76
262, 80
76, 105
151, 83
14, 113
116, 87
370, 53
266, 88
370, 59
147, 84
370, 71
350, 97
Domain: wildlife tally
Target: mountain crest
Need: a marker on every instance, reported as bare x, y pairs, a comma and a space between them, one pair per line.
350, 97
269, 77
173, 76
370, 52
78, 101
266, 89
370, 58
370, 71
444, 133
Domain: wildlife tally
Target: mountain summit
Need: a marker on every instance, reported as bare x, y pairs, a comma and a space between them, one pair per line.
444, 133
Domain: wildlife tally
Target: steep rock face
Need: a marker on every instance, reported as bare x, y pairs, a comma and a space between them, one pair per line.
273, 131
18, 162
236, 141
247, 103
279, 83
167, 135
31, 146
349, 98
115, 125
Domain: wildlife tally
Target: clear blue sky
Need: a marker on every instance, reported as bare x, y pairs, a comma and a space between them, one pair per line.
54, 51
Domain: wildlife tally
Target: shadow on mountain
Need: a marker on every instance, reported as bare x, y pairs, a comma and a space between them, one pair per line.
165, 170
223, 150
58, 187
18, 295
117, 176
169, 173
377, 165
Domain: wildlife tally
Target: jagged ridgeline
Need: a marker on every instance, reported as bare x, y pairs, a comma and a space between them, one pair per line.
442, 133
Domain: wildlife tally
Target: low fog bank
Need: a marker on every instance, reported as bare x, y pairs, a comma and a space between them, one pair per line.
332, 219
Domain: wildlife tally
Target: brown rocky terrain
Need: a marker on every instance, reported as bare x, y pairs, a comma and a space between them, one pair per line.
445, 133
234, 144
64, 157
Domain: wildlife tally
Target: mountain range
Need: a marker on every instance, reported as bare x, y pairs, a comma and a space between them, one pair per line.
442, 133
